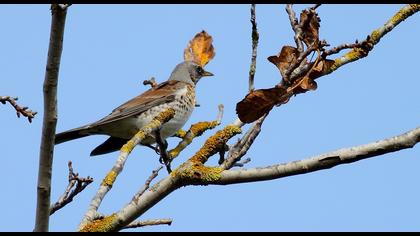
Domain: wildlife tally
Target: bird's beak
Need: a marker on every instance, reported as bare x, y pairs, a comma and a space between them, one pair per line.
206, 73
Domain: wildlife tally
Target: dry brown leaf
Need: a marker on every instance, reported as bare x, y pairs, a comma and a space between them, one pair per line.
200, 49
310, 29
258, 102
321, 68
287, 56
308, 84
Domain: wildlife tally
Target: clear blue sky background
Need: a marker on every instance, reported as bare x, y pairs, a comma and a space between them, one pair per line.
110, 49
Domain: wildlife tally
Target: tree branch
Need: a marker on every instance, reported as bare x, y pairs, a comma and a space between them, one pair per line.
112, 175
19, 110
67, 197
255, 37
137, 224
376, 35
50, 118
323, 161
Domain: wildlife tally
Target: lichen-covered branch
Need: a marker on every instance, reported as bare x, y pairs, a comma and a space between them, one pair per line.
50, 118
112, 175
195, 130
324, 161
360, 52
70, 193
19, 109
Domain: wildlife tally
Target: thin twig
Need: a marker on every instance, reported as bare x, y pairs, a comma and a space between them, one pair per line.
295, 26
242, 163
142, 223
19, 110
316, 6
242, 146
68, 195
255, 37
146, 185
338, 48
151, 82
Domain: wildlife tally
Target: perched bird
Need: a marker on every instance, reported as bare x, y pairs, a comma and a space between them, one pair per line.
178, 92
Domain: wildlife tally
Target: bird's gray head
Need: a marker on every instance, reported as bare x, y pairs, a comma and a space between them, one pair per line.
189, 72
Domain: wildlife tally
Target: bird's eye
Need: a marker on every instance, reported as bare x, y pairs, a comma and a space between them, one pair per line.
200, 70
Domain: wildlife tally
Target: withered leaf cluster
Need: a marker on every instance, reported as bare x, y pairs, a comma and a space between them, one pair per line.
298, 74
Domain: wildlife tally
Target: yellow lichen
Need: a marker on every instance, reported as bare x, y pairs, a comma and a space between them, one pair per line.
195, 131
100, 225
109, 178
199, 128
215, 143
180, 133
128, 147
197, 172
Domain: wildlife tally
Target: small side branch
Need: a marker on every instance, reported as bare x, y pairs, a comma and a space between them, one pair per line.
242, 146
151, 82
19, 110
295, 26
255, 37
142, 223
146, 186
69, 194
376, 35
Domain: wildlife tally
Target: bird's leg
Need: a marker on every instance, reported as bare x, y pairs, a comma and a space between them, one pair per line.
222, 153
163, 145
156, 149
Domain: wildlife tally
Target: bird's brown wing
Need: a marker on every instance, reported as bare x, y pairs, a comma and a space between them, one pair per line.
163, 93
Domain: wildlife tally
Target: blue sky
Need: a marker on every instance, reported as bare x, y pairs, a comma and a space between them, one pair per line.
110, 49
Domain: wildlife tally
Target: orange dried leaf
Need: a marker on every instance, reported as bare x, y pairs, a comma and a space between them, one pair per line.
200, 49
310, 29
287, 56
258, 102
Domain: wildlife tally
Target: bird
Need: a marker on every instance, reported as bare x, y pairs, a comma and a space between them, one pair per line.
178, 92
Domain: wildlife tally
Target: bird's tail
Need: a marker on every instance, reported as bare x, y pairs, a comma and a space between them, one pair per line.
72, 134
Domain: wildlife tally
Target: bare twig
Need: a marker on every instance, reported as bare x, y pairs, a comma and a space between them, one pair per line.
50, 118
67, 197
295, 26
255, 37
242, 163
242, 146
19, 110
146, 185
151, 82
142, 223
338, 48
316, 6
